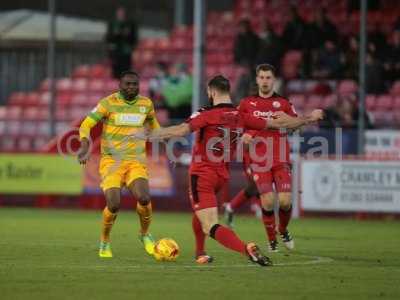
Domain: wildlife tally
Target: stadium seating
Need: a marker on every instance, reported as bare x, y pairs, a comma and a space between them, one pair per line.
78, 93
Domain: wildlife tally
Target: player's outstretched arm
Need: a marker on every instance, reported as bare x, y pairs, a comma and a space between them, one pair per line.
169, 132
283, 120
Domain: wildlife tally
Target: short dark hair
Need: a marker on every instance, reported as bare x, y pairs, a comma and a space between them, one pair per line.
266, 67
220, 83
128, 72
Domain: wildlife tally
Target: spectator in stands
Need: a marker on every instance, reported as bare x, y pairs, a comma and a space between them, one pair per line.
177, 91
271, 46
157, 83
327, 61
121, 40
392, 58
378, 39
294, 34
350, 58
244, 83
320, 30
374, 81
344, 114
246, 44
397, 24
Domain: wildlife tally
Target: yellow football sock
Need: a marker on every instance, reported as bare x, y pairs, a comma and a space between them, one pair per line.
145, 213
108, 221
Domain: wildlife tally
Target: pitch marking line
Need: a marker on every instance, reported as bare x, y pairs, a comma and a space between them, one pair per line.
167, 265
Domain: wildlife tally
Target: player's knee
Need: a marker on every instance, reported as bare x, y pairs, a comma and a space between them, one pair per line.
285, 201
206, 227
267, 201
144, 199
113, 206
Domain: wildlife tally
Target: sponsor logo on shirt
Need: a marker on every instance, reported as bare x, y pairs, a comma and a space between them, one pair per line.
263, 114
129, 119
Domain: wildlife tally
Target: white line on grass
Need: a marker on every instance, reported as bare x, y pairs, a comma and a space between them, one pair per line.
171, 265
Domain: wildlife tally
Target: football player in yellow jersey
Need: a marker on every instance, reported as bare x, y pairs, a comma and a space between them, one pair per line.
122, 157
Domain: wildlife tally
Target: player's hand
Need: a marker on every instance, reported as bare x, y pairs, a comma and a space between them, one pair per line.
246, 138
83, 153
317, 115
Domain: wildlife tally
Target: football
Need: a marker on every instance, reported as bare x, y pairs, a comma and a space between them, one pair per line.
166, 249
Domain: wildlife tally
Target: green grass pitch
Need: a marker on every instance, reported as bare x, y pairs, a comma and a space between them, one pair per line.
52, 254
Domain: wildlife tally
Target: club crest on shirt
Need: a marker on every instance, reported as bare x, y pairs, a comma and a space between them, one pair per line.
276, 104
142, 109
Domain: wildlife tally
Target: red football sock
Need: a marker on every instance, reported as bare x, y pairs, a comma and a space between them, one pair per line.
284, 219
268, 219
227, 238
238, 200
199, 235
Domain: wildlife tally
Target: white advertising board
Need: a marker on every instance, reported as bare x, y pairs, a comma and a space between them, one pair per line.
369, 186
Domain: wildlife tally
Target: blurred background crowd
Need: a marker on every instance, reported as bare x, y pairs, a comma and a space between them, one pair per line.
314, 45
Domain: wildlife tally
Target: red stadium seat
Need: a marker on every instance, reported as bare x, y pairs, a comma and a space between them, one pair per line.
13, 113
64, 84
78, 112
79, 99
347, 87
395, 90
62, 114
149, 43
32, 113
29, 128
64, 98
17, 98
39, 142
80, 85
292, 57
62, 127
14, 127
81, 71
32, 99
43, 128
99, 71
93, 99
396, 103
112, 86
384, 102
370, 102
44, 98
96, 85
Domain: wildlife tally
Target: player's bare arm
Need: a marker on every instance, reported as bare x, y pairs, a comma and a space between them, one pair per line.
283, 120
169, 132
